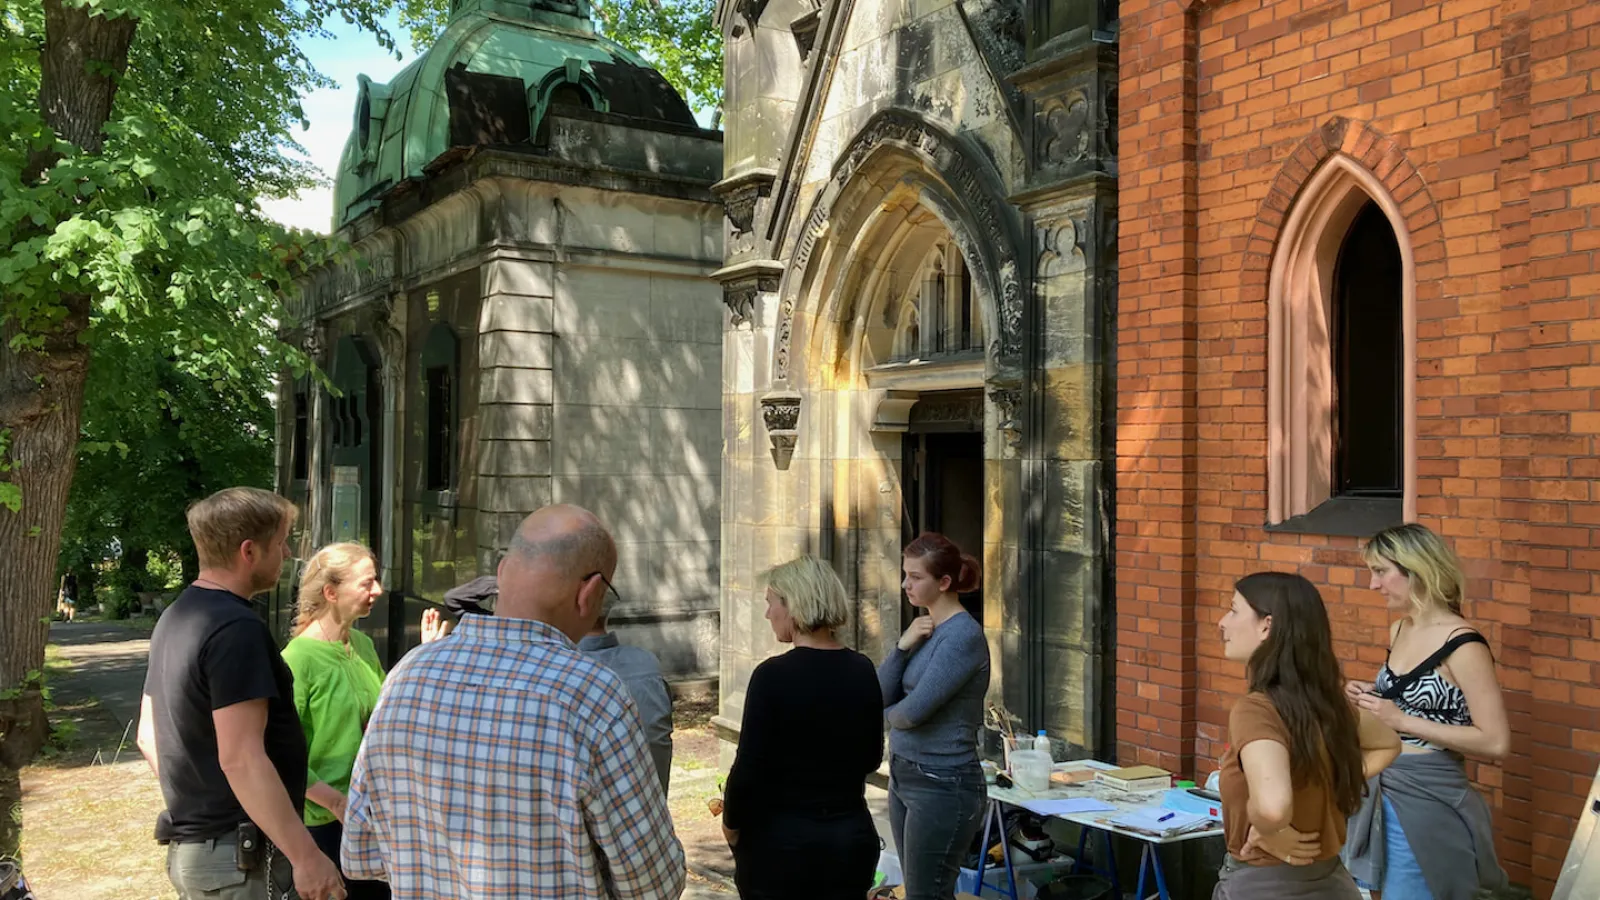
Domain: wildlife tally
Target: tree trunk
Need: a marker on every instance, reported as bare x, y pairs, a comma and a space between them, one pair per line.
41, 398
41, 402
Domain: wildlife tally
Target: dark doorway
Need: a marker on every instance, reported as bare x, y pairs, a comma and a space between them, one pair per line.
943, 479
355, 482
1368, 360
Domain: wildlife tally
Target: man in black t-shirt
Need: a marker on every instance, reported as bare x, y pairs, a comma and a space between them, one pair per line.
218, 723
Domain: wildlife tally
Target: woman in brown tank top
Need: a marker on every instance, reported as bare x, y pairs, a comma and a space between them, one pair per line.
1298, 754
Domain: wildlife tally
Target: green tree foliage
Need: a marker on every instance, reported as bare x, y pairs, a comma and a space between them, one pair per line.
678, 37
156, 437
140, 134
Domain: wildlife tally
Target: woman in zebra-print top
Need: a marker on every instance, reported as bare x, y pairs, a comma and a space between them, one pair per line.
1423, 832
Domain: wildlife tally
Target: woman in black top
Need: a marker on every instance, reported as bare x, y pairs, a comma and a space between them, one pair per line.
795, 811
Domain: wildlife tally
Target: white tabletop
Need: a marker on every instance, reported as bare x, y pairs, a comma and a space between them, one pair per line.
1124, 803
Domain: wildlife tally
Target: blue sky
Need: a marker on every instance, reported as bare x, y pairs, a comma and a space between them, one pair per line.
349, 52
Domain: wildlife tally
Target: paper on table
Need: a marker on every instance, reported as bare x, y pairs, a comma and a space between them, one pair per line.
1063, 807
1159, 820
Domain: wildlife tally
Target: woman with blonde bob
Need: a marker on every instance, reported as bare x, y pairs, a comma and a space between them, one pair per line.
795, 810
337, 679
1423, 832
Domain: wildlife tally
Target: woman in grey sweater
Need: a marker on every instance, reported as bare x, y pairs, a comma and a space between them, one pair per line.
933, 685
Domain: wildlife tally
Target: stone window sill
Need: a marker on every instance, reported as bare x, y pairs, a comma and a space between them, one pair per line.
1347, 516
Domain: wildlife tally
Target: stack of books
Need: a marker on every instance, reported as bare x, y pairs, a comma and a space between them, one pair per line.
1135, 779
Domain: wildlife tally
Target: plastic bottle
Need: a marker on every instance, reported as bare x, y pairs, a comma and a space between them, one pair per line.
1042, 744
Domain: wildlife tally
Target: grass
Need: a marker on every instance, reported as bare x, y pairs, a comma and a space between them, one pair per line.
140, 625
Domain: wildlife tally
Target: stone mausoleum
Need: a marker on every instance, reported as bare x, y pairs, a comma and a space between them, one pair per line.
920, 282
526, 317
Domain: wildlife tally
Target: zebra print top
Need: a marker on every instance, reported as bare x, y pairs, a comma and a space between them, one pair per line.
1424, 693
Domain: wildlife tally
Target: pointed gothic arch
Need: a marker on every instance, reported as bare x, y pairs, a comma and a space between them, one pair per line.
1301, 230
898, 168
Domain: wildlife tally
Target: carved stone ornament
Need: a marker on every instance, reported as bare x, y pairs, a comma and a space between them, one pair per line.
740, 195
1065, 134
781, 413
976, 188
804, 30
740, 297
1008, 410
751, 10
313, 341
741, 302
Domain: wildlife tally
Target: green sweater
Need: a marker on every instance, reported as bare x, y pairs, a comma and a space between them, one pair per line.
335, 690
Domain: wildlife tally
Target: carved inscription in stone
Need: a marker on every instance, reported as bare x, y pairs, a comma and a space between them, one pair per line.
966, 409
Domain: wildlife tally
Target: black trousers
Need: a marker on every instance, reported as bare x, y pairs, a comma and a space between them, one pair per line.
328, 837
800, 856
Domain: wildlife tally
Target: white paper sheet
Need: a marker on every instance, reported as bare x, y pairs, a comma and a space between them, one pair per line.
1067, 806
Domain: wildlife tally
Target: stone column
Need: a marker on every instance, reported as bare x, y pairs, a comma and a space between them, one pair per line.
390, 330
318, 528
515, 377
1069, 92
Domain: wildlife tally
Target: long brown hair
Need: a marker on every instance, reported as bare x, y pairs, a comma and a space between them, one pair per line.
1296, 668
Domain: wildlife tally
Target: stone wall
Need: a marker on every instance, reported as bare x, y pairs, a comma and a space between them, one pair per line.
908, 124
589, 348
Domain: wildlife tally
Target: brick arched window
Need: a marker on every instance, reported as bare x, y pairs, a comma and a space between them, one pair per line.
1341, 337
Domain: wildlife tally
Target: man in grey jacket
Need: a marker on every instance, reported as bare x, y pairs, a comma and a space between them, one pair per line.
641, 672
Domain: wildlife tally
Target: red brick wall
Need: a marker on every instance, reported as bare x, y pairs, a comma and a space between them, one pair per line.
1482, 117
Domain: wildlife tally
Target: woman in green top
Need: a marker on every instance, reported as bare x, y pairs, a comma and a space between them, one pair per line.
337, 678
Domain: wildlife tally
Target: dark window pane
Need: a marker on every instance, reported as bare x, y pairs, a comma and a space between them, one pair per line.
441, 427
1367, 363
966, 307
300, 446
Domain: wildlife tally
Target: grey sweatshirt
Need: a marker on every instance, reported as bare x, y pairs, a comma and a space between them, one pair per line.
933, 696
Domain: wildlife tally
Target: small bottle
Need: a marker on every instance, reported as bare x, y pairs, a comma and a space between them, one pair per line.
1042, 744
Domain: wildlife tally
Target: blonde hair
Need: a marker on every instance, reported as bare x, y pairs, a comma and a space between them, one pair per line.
220, 523
811, 592
333, 565
1424, 557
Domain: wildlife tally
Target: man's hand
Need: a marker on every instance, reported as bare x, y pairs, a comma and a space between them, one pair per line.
916, 633
731, 836
1297, 848
318, 878
434, 626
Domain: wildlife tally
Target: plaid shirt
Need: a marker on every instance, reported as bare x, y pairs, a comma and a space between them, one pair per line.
503, 763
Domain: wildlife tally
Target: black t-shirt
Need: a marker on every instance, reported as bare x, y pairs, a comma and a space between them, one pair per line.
812, 732
209, 651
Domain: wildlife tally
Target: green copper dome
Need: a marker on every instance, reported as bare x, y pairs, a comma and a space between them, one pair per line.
499, 66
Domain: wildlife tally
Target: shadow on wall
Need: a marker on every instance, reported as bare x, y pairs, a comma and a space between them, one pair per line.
637, 427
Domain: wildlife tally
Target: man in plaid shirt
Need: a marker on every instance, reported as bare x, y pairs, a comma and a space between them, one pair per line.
502, 762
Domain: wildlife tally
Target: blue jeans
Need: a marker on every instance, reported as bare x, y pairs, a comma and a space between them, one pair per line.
935, 812
1402, 874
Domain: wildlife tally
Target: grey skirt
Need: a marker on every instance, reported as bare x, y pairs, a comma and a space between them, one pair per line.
1325, 880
